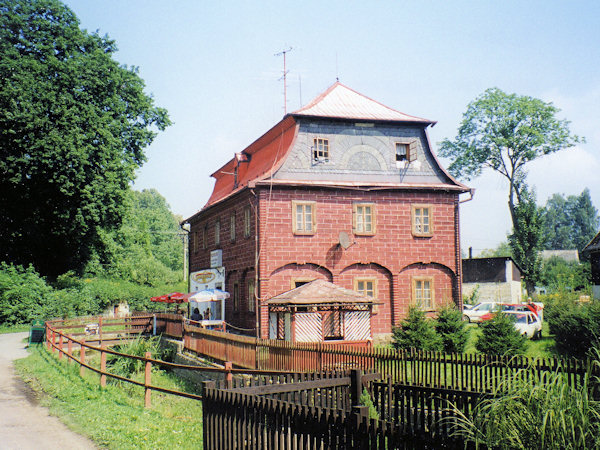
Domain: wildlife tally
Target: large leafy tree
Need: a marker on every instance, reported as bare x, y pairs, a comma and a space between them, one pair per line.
147, 248
569, 222
73, 127
504, 132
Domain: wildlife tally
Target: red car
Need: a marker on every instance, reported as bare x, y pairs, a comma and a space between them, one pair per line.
525, 307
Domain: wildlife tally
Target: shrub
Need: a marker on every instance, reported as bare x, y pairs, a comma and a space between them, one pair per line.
24, 295
576, 327
126, 367
365, 400
500, 337
452, 329
416, 331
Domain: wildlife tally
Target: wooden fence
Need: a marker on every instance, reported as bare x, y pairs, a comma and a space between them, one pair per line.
465, 372
277, 416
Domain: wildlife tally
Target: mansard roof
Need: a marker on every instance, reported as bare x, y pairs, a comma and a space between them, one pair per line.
263, 158
341, 102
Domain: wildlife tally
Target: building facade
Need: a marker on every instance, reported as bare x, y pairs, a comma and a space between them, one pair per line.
345, 190
495, 279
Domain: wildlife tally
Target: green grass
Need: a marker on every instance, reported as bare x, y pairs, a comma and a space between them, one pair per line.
14, 328
113, 417
541, 348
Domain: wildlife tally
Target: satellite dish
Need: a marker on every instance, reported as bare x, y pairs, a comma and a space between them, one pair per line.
344, 240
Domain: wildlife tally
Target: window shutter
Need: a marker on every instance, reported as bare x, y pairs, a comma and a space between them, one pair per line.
412, 151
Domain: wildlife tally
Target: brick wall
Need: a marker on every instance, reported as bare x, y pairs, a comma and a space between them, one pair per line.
391, 257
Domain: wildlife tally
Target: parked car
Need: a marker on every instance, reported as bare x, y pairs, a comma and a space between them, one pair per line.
474, 314
527, 323
535, 308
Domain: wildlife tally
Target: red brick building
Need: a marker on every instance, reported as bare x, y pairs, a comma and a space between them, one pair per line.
343, 168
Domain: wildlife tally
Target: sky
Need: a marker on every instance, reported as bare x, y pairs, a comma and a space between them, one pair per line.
213, 66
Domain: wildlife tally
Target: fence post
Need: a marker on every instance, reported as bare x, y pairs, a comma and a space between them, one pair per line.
60, 346
228, 374
102, 368
147, 380
82, 358
53, 341
355, 386
100, 330
69, 348
47, 336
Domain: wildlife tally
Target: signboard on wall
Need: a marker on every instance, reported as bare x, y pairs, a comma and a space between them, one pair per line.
207, 279
216, 258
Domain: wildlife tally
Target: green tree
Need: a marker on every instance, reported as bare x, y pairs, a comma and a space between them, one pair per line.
504, 132
558, 275
569, 222
503, 249
452, 329
527, 237
416, 331
73, 126
500, 337
147, 247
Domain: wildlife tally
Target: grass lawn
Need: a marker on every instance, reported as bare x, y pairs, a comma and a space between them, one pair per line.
13, 328
541, 348
113, 417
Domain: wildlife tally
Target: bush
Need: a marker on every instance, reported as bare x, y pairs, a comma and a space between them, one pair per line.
24, 295
365, 400
500, 337
452, 330
126, 367
416, 331
576, 327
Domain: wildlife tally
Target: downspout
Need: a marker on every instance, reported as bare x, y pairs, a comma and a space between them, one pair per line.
457, 243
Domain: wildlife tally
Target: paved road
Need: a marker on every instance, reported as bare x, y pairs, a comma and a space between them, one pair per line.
24, 424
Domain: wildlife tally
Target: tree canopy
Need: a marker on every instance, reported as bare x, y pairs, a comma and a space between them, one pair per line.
147, 248
569, 223
504, 132
73, 127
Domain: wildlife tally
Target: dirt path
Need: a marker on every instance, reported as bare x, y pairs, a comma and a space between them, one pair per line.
23, 423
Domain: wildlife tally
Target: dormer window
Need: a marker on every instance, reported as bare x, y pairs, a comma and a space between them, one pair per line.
406, 152
320, 149
401, 152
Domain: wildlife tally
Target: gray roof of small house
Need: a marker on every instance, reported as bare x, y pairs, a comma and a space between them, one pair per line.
567, 255
594, 245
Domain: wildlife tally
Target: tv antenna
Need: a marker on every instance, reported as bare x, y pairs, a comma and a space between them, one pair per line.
284, 78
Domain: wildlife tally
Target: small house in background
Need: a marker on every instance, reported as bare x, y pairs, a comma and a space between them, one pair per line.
320, 311
497, 279
593, 251
566, 255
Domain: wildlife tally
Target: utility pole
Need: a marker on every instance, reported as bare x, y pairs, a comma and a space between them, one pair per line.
284, 78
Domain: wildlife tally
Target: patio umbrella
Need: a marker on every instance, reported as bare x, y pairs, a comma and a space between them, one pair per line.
208, 295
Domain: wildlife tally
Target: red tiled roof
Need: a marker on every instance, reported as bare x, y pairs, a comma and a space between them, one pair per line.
341, 102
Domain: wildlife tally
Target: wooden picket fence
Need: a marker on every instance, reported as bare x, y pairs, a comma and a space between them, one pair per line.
464, 372
283, 416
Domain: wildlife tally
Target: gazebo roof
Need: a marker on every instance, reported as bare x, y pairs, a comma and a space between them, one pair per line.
320, 292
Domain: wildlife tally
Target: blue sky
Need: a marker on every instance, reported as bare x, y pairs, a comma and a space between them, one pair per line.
212, 65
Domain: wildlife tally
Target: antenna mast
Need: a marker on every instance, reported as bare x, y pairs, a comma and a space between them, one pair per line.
284, 78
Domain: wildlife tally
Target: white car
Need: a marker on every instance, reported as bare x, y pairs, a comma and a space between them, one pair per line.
527, 323
474, 314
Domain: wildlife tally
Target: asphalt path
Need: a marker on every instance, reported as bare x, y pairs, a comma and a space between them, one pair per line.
24, 424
